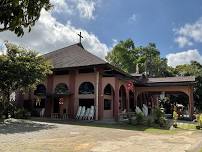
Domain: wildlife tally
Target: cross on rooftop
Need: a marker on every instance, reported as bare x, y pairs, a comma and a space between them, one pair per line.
80, 36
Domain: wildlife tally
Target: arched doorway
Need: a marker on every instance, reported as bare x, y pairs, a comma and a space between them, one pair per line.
122, 99
40, 100
60, 98
108, 101
86, 94
131, 101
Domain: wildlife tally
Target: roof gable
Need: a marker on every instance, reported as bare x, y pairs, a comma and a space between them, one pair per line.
73, 56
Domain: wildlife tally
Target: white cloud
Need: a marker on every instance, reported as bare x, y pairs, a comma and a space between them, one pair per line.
132, 18
48, 34
189, 33
183, 41
85, 8
184, 57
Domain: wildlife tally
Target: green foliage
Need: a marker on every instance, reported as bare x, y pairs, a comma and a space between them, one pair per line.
157, 114
127, 56
15, 15
21, 113
199, 119
159, 117
139, 118
20, 70
122, 55
162, 122
149, 121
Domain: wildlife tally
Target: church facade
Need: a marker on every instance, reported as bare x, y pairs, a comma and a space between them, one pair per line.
82, 79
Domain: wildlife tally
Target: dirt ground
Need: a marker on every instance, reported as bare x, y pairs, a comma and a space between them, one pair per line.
29, 136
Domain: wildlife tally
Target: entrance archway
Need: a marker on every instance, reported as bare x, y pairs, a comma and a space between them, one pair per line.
108, 101
131, 101
86, 94
122, 99
187, 90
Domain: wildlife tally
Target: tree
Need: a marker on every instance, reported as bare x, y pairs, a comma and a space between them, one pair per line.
20, 69
122, 55
126, 56
15, 15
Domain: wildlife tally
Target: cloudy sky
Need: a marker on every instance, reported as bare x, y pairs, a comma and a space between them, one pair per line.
174, 25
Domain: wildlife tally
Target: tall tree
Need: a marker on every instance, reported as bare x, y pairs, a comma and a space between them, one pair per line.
15, 15
20, 69
122, 55
126, 56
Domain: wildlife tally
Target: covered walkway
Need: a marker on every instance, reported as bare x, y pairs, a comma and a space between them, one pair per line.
168, 85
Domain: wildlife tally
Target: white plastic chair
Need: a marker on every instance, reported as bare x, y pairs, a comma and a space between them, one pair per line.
86, 114
91, 113
78, 112
145, 110
83, 110
138, 110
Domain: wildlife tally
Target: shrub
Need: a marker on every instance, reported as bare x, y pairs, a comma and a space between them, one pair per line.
158, 114
149, 122
199, 121
21, 113
162, 122
139, 118
159, 117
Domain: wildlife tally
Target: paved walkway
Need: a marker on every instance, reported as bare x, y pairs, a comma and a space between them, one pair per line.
28, 136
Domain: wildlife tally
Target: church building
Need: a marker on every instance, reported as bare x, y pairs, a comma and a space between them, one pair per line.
82, 79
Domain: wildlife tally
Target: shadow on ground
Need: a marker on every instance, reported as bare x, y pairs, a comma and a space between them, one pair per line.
11, 126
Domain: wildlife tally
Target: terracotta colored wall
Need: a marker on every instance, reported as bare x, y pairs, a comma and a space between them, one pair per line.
107, 114
80, 78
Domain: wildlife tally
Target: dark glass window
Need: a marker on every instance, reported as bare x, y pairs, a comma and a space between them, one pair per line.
86, 102
86, 88
61, 89
40, 90
107, 104
86, 70
108, 90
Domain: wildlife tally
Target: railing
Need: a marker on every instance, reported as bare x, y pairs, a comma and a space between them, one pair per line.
59, 116
126, 115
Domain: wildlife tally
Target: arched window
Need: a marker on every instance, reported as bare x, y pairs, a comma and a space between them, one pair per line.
108, 90
40, 90
122, 98
61, 89
86, 88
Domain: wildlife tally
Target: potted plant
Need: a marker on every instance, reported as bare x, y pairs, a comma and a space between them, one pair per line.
199, 121
175, 117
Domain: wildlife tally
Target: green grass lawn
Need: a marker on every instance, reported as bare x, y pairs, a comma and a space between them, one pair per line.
187, 126
125, 126
154, 129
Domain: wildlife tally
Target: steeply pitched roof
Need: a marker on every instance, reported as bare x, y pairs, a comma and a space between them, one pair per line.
172, 79
73, 56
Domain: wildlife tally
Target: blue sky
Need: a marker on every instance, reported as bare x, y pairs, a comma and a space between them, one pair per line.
174, 25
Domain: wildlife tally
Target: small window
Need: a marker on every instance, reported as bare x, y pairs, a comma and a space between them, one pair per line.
86, 88
107, 104
108, 90
61, 89
40, 90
